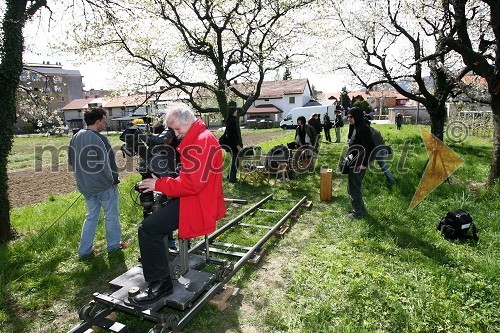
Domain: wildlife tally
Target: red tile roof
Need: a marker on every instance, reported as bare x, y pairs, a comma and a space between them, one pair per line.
277, 89
77, 104
133, 100
264, 109
475, 79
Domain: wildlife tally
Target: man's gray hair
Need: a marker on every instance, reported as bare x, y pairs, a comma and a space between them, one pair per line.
180, 112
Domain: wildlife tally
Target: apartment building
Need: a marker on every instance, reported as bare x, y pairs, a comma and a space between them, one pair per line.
58, 86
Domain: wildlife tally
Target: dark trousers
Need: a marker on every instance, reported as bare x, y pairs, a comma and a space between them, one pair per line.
151, 232
327, 135
234, 168
354, 179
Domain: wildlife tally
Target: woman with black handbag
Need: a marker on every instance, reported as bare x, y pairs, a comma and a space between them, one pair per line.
360, 147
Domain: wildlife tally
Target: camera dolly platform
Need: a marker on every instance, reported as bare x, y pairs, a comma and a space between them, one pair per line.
199, 273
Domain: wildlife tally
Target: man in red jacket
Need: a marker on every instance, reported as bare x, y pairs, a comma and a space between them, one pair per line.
197, 199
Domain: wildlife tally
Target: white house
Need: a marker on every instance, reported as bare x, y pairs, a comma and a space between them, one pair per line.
277, 98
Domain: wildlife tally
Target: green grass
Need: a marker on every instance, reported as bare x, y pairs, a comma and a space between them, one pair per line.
389, 272
39, 151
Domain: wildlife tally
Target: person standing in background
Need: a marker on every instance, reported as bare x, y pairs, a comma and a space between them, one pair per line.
338, 123
315, 123
234, 142
399, 121
327, 125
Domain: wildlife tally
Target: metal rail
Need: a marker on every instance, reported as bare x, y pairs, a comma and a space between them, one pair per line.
232, 223
105, 304
216, 288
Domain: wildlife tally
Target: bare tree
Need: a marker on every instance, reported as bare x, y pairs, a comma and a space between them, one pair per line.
402, 45
479, 46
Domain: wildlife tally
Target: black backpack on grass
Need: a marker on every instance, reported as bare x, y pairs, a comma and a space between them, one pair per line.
456, 225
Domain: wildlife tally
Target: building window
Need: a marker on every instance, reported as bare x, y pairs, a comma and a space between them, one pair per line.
46, 89
35, 77
57, 79
23, 77
110, 112
62, 98
291, 100
59, 89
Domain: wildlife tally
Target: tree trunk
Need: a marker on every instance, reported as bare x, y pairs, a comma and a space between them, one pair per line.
437, 113
222, 102
11, 67
437, 127
494, 174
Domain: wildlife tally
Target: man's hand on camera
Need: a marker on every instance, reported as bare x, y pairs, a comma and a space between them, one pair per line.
148, 184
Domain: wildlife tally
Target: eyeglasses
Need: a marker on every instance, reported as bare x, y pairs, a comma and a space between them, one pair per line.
350, 117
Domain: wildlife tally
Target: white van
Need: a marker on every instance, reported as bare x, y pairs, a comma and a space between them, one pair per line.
290, 120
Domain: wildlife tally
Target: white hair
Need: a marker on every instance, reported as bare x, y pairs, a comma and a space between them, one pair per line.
180, 112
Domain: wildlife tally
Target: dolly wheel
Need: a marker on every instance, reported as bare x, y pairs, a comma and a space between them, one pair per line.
228, 268
168, 323
84, 312
171, 320
224, 271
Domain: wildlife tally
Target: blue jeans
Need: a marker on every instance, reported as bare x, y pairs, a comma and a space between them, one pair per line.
381, 157
108, 200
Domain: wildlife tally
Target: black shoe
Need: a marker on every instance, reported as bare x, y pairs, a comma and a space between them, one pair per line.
353, 215
155, 290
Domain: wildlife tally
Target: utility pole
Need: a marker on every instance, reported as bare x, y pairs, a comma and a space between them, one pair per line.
418, 111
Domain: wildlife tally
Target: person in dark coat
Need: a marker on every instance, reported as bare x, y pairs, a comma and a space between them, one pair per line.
315, 123
360, 147
338, 123
234, 142
399, 120
304, 133
327, 125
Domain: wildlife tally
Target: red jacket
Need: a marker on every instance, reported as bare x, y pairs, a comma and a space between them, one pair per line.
199, 184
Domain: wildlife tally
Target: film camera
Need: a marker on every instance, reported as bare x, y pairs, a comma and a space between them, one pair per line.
156, 156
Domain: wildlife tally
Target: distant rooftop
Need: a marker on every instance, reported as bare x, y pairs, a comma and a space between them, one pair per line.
48, 68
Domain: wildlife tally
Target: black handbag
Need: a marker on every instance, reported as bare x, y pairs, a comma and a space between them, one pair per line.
223, 140
347, 162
